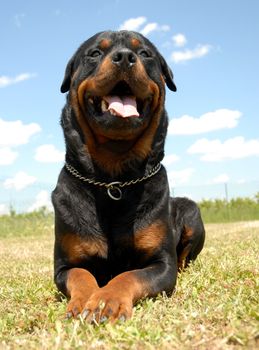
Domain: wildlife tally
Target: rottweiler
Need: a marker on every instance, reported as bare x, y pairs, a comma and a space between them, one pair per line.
118, 235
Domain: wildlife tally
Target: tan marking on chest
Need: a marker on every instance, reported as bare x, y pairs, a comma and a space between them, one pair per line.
79, 249
150, 238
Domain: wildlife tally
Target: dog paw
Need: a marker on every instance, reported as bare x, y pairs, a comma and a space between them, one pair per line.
107, 305
75, 307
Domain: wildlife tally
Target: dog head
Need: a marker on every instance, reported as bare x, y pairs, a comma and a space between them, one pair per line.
116, 83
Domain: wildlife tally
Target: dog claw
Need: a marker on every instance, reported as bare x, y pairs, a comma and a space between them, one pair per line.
103, 319
85, 313
68, 315
122, 319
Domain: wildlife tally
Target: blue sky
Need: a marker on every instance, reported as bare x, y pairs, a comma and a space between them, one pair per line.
213, 50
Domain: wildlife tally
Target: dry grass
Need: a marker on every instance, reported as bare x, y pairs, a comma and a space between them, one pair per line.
215, 305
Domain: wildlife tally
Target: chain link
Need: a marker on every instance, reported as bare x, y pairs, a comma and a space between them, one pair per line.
115, 184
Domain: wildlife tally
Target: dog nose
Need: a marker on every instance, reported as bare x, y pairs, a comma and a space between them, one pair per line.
124, 58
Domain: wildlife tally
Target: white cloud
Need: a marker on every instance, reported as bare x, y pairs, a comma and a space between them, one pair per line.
20, 181
220, 179
151, 27
6, 81
187, 55
7, 156
180, 177
216, 151
219, 119
170, 159
15, 133
49, 154
42, 200
133, 23
179, 40
136, 24
4, 209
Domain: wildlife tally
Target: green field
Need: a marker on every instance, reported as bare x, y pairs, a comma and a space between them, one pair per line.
215, 305
237, 209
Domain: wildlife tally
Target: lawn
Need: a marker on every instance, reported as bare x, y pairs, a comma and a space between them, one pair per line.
215, 305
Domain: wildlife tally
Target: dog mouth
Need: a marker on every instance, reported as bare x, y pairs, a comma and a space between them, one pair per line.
119, 102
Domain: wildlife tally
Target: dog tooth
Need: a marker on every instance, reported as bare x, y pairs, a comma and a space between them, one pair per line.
91, 100
113, 112
104, 106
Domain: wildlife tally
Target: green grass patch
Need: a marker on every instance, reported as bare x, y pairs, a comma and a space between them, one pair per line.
26, 225
215, 305
237, 209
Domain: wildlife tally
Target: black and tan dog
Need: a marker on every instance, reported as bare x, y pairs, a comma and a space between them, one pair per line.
119, 236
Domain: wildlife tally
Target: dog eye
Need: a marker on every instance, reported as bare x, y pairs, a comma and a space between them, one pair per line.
95, 53
144, 53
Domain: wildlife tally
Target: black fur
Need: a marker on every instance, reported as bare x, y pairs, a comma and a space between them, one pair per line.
85, 211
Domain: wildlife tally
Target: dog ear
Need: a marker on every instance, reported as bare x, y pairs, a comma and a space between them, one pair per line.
168, 74
65, 86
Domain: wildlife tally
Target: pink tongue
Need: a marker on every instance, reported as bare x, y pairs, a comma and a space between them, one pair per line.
124, 106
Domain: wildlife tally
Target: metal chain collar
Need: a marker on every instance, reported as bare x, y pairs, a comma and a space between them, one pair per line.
113, 188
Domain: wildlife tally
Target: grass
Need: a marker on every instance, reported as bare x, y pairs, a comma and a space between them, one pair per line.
215, 305
237, 209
